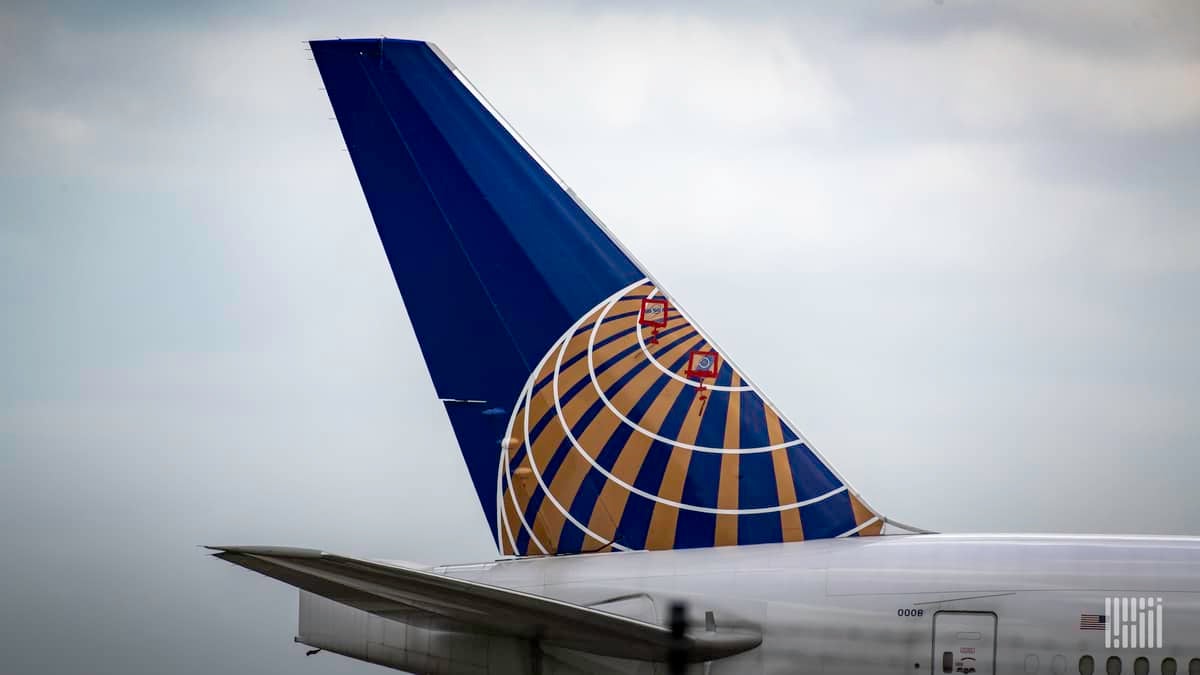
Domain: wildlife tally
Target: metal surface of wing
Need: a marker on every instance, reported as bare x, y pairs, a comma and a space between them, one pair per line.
396, 592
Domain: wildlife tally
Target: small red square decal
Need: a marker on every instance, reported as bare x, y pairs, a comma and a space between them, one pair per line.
703, 363
654, 312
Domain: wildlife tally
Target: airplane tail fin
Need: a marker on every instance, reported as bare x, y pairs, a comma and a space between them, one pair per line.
593, 414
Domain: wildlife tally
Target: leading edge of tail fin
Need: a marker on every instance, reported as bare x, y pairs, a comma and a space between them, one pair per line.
593, 414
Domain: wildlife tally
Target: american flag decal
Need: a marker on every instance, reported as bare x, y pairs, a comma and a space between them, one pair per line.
1092, 622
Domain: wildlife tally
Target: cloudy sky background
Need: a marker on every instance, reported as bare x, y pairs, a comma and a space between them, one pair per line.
958, 243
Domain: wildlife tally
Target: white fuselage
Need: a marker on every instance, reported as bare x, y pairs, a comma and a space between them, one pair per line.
896, 604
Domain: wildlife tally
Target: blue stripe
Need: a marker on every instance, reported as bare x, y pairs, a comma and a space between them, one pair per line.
788, 434
654, 351
759, 528
616, 443
565, 447
557, 459
611, 317
703, 478
703, 481
635, 521
584, 504
582, 354
654, 467
756, 481
586, 381
753, 431
514, 462
572, 359
572, 538
694, 529
642, 406
711, 433
811, 477
586, 499
636, 518
827, 518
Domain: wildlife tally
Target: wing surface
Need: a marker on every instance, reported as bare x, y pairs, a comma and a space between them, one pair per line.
397, 592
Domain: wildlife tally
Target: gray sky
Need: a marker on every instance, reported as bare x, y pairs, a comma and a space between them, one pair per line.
958, 243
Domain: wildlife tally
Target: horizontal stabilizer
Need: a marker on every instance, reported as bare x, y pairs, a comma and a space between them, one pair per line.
396, 592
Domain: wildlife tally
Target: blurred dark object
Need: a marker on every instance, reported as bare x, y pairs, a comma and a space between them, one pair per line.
677, 655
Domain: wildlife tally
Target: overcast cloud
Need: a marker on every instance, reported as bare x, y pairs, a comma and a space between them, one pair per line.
957, 242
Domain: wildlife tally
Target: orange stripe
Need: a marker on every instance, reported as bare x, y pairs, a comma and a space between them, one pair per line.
629, 463
790, 518
665, 518
577, 344
609, 506
579, 372
611, 502
872, 530
575, 467
537, 443
673, 316
614, 497
624, 399
542, 401
543, 447
727, 490
524, 485
570, 476
522, 499
861, 513
733, 418
661, 534
588, 395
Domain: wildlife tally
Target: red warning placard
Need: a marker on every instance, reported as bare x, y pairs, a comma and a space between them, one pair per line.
703, 363
654, 312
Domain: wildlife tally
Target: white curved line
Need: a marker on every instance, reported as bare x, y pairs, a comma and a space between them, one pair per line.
783, 419
677, 376
867, 523
529, 382
655, 498
500, 502
512, 494
502, 520
523, 404
508, 533
550, 495
647, 432
512, 418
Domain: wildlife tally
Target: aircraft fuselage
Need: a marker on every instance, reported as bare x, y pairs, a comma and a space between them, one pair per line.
901, 604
